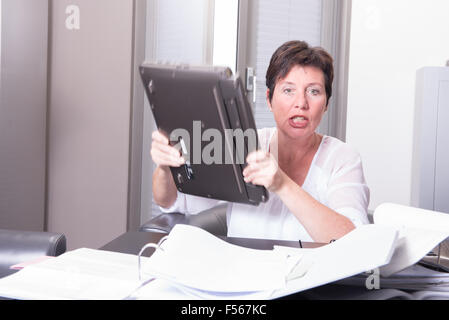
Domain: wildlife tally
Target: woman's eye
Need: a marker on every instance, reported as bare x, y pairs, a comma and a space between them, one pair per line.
313, 91
288, 91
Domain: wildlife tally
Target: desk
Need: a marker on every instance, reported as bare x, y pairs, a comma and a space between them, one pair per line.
131, 242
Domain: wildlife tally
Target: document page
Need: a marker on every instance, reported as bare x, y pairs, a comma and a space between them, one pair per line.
363, 249
194, 258
419, 232
81, 274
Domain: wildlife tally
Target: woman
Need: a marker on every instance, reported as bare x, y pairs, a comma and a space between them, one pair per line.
316, 183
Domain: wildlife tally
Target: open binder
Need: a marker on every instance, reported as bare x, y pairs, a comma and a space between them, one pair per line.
188, 263
399, 238
192, 258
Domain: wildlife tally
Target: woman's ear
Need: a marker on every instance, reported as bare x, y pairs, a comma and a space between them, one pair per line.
268, 100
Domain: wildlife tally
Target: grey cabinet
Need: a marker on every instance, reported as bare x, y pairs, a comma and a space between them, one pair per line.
430, 176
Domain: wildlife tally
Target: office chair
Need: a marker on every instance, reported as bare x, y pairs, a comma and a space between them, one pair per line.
20, 246
212, 220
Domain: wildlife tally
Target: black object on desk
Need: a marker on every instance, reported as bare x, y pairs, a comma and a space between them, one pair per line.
131, 242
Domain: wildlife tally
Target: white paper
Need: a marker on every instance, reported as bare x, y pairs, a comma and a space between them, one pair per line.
193, 258
161, 289
193, 264
419, 232
365, 248
81, 274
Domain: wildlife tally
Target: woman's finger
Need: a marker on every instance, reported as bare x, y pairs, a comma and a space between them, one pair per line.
165, 159
165, 148
258, 178
257, 156
158, 136
255, 167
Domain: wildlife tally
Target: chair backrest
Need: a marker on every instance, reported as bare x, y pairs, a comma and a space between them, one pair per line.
212, 220
21, 246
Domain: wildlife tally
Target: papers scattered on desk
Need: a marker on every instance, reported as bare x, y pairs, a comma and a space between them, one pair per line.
82, 274
365, 248
219, 270
193, 264
24, 264
419, 232
201, 264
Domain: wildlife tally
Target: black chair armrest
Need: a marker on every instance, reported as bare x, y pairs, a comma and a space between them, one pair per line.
212, 220
21, 246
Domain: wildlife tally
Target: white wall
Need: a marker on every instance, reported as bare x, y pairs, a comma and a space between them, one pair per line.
390, 41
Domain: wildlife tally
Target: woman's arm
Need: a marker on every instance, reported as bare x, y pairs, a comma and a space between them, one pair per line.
165, 156
322, 223
164, 189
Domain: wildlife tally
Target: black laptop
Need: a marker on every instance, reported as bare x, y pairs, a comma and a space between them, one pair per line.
205, 113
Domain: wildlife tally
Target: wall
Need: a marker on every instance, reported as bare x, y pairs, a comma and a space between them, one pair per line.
23, 106
89, 121
390, 41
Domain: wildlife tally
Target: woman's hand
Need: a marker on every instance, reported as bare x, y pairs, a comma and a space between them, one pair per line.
263, 170
163, 154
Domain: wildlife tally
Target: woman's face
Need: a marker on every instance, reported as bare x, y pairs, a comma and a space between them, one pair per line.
299, 101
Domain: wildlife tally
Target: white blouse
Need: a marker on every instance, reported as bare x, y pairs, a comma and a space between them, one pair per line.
335, 179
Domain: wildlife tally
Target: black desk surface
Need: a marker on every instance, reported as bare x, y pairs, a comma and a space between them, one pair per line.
132, 241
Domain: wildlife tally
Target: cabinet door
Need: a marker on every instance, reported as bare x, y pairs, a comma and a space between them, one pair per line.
23, 107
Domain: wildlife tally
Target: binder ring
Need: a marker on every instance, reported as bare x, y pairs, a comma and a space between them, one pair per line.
149, 245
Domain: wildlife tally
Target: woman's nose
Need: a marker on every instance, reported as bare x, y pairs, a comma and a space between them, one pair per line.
301, 101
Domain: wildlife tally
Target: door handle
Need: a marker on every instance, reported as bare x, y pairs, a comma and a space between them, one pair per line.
251, 82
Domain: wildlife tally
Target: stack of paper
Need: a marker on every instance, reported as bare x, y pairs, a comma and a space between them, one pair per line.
82, 274
363, 249
194, 264
419, 232
203, 265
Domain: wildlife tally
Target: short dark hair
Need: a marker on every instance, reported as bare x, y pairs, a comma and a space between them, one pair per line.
294, 53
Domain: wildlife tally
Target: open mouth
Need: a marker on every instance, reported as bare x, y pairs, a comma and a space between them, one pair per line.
298, 121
